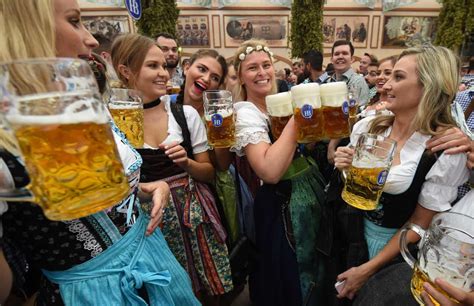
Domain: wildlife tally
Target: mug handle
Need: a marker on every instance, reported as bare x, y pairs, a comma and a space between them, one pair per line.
403, 241
7, 187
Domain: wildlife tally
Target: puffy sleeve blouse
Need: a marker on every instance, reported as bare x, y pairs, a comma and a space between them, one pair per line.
440, 187
251, 127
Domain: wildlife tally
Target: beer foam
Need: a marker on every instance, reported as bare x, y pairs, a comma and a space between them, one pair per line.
279, 105
334, 94
369, 162
80, 111
224, 113
306, 94
125, 105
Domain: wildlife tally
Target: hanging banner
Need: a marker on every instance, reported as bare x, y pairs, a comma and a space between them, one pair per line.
388, 5
254, 3
369, 3
117, 3
196, 3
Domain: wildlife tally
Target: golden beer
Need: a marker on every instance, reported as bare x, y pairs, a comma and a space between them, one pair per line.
220, 130
336, 123
419, 277
75, 168
309, 129
130, 121
278, 124
364, 186
175, 90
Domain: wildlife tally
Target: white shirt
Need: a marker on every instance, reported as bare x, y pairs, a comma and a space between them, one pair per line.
441, 182
197, 130
251, 127
465, 205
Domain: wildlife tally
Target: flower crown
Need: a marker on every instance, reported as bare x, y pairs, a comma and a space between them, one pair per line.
252, 49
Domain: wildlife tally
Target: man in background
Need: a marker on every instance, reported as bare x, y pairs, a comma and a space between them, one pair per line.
313, 67
169, 46
342, 56
365, 61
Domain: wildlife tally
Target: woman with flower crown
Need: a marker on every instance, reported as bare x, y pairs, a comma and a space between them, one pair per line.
287, 205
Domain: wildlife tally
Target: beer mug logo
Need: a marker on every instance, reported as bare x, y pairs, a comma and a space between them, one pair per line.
345, 107
382, 177
352, 102
307, 111
217, 120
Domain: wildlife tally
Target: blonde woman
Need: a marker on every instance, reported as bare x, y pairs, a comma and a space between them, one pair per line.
287, 207
98, 259
419, 185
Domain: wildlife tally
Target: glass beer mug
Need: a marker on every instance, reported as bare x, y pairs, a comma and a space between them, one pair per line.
307, 111
368, 172
126, 108
446, 250
61, 126
219, 115
335, 109
280, 110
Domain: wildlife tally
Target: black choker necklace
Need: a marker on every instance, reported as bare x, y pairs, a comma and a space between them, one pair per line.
152, 104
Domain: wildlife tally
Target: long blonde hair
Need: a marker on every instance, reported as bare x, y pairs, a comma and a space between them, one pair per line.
239, 92
437, 69
27, 29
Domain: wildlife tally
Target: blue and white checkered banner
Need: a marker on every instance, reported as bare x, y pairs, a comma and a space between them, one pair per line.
117, 3
388, 5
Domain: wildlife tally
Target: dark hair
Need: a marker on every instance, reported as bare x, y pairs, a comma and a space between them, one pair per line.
372, 57
342, 42
105, 42
165, 35
376, 63
330, 68
297, 64
315, 59
99, 68
287, 72
200, 54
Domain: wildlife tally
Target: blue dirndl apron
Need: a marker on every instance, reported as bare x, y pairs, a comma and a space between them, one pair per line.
134, 261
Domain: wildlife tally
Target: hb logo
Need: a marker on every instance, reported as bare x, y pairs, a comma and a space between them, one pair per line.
216, 120
382, 177
345, 107
134, 8
307, 111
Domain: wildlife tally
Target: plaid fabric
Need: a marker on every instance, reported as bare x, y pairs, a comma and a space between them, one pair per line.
464, 98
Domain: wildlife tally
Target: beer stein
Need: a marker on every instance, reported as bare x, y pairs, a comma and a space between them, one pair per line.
55, 113
368, 172
219, 115
307, 112
280, 110
446, 250
335, 109
173, 88
126, 108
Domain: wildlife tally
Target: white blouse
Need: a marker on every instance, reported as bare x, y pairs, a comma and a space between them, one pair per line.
441, 182
251, 127
197, 130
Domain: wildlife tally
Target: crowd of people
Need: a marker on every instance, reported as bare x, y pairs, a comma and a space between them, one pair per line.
201, 222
